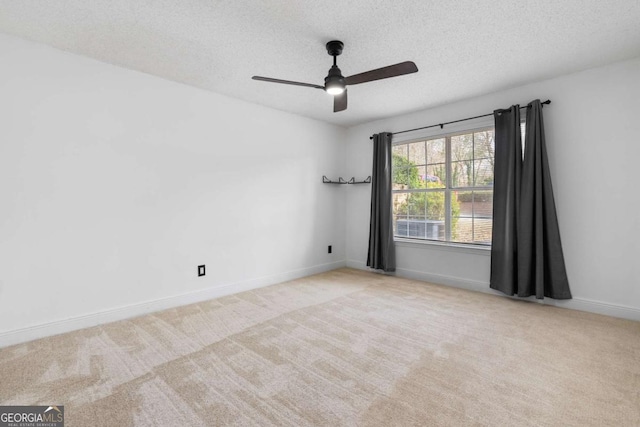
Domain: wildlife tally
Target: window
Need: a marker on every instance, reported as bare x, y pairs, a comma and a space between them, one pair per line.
443, 187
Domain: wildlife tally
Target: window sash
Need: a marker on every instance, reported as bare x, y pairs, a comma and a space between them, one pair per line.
448, 189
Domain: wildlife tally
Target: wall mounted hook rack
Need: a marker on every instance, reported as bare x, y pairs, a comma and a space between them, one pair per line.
367, 180
326, 180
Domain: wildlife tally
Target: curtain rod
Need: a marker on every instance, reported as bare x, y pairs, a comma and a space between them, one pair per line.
455, 121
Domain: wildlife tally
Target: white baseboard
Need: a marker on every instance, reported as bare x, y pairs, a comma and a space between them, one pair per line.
582, 304
120, 313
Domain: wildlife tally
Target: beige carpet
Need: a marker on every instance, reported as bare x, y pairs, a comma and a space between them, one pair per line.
340, 348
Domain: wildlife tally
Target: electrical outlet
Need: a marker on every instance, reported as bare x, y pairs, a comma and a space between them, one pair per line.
329, 249
200, 270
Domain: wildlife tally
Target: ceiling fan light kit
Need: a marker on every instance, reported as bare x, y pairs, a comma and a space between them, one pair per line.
336, 84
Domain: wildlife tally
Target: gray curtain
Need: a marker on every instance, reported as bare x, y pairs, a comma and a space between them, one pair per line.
541, 269
382, 254
526, 252
506, 199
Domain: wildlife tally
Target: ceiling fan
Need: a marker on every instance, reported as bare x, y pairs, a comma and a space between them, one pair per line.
336, 84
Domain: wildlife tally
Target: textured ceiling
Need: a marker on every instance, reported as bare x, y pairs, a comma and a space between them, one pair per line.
462, 48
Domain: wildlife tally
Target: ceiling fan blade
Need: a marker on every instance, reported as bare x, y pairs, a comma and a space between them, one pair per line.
286, 82
340, 102
400, 69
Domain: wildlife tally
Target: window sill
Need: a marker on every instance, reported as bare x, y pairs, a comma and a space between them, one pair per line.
446, 246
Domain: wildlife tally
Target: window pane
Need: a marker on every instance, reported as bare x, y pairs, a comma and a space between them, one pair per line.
400, 178
399, 167
471, 216
400, 206
483, 214
462, 147
462, 173
436, 152
400, 151
435, 223
417, 177
436, 175
435, 205
483, 173
461, 216
484, 151
400, 226
417, 153
416, 206
400, 211
484, 144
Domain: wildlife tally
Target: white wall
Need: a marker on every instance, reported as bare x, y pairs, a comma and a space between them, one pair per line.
593, 140
115, 185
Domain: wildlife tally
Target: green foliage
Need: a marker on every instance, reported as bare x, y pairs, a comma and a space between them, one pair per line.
405, 172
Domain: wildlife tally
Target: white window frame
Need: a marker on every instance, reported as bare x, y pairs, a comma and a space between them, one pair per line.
435, 133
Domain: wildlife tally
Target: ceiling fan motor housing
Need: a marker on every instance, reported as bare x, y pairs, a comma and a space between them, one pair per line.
334, 79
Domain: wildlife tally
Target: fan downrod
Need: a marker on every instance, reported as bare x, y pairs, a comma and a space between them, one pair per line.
334, 47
